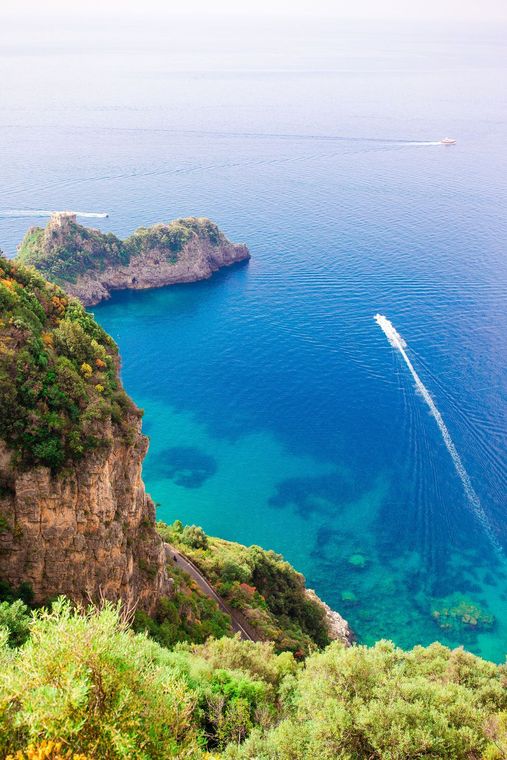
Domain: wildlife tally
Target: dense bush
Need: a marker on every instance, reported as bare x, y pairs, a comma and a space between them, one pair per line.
85, 686
62, 254
14, 621
188, 615
9, 594
381, 702
58, 372
194, 537
171, 238
267, 590
87, 681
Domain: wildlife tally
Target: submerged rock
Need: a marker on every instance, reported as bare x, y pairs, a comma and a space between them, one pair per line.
357, 560
458, 612
349, 598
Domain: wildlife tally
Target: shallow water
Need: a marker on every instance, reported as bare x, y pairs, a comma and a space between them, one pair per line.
278, 413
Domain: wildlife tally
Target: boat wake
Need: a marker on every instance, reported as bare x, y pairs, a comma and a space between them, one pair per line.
29, 212
423, 144
397, 342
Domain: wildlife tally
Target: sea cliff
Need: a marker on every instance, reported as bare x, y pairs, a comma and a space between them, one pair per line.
74, 515
87, 533
90, 264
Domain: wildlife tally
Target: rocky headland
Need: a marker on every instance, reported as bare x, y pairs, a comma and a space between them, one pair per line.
74, 515
90, 264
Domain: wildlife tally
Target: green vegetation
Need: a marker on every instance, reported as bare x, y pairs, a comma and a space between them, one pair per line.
14, 621
188, 615
170, 238
24, 592
63, 253
260, 584
381, 702
84, 685
58, 373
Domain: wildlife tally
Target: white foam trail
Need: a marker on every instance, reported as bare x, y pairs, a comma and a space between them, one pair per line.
397, 342
423, 143
28, 212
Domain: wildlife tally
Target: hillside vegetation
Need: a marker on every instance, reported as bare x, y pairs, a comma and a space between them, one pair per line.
84, 685
260, 584
58, 373
187, 615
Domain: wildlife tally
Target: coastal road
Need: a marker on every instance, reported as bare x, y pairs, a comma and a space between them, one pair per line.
238, 626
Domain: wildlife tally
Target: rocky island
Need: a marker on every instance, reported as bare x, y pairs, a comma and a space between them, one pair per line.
90, 264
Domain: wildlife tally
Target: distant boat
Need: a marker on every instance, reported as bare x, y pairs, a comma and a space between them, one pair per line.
448, 141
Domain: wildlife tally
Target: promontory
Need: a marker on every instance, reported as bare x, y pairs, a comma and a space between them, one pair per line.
75, 518
90, 264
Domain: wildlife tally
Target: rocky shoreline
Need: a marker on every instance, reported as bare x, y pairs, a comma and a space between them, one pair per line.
198, 261
338, 627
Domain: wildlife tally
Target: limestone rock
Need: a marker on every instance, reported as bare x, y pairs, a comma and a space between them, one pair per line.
88, 532
337, 626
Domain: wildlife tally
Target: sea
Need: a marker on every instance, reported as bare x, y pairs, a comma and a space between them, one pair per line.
279, 411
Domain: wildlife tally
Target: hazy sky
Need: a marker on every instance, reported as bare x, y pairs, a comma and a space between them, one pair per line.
383, 9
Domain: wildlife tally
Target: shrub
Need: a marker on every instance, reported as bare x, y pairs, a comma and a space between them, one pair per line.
47, 750
382, 702
194, 537
15, 620
87, 681
58, 374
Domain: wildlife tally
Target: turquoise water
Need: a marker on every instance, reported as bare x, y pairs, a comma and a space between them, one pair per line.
278, 412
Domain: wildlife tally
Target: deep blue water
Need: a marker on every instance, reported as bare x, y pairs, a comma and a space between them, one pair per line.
278, 412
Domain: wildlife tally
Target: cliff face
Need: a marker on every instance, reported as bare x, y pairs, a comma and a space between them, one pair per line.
88, 532
89, 264
151, 268
74, 515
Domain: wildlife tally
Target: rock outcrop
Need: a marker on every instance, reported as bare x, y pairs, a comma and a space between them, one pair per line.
337, 627
90, 265
88, 532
